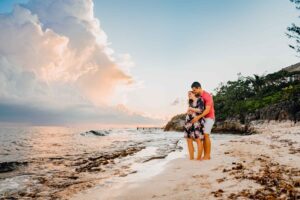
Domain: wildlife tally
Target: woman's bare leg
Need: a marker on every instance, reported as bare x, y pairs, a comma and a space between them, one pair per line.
200, 148
190, 148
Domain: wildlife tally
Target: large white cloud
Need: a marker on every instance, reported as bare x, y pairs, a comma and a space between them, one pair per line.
54, 54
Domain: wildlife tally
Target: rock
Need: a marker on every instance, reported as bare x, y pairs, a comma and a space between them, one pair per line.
230, 125
94, 163
233, 125
288, 110
10, 166
176, 123
97, 133
297, 116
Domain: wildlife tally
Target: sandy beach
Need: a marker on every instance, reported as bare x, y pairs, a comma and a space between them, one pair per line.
261, 166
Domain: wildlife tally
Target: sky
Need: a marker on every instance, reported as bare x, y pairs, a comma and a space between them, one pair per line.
131, 61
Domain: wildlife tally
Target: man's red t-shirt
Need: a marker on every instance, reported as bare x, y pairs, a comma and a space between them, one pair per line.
208, 101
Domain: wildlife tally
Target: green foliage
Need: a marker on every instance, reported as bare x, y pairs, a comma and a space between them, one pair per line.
294, 31
247, 94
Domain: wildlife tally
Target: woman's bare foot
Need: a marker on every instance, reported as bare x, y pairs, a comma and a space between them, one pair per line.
206, 158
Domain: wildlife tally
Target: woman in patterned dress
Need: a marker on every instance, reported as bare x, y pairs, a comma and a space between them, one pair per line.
194, 132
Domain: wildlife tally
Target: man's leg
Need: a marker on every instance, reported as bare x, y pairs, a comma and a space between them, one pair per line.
207, 147
190, 148
200, 148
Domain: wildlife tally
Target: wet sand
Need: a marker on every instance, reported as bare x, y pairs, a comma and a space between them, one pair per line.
261, 166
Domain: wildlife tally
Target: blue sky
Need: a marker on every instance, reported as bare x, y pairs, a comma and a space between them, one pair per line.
176, 42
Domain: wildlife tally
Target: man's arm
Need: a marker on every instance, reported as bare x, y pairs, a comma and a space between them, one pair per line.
197, 110
205, 112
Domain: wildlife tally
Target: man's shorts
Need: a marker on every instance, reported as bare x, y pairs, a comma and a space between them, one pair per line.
208, 124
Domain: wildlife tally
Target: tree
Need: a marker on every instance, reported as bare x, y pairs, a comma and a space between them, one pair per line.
294, 31
257, 82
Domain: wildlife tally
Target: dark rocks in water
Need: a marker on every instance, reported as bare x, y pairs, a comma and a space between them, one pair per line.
176, 123
57, 184
94, 163
10, 166
96, 132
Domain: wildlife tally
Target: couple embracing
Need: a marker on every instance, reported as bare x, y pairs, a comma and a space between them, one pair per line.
199, 121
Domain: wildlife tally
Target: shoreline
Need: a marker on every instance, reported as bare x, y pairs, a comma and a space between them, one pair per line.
260, 166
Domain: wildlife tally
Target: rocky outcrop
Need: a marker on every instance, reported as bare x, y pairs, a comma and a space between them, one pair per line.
287, 110
230, 125
227, 126
233, 126
283, 111
292, 68
176, 123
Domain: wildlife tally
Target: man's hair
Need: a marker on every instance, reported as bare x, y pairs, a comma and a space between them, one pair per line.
196, 85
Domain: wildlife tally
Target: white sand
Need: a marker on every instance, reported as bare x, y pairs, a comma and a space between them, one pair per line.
185, 179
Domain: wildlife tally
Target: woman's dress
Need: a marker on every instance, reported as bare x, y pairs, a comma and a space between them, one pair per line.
194, 130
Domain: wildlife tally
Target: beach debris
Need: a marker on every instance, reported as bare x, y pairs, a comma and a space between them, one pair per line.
293, 150
218, 193
238, 166
277, 181
220, 180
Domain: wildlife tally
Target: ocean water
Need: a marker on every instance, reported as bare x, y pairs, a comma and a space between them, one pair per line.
56, 162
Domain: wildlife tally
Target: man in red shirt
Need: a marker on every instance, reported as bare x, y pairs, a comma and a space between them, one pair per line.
208, 114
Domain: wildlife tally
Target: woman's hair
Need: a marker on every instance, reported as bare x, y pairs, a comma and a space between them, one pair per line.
196, 95
191, 100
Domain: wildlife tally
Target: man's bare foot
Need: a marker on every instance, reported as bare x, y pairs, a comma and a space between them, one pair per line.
199, 159
191, 158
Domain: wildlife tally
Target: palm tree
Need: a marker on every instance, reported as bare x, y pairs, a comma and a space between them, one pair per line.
294, 31
257, 82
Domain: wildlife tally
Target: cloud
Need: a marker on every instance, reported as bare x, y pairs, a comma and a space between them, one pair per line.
55, 55
178, 101
175, 102
35, 115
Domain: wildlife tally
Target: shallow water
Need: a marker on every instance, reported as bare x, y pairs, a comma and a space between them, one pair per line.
55, 162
